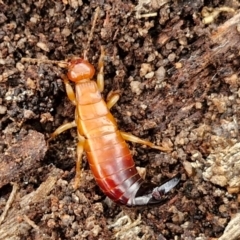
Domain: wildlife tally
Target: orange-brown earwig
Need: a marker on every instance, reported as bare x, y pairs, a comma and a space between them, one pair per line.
107, 152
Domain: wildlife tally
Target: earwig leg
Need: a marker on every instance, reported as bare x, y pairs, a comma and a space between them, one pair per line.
69, 89
112, 98
62, 128
100, 76
80, 148
132, 138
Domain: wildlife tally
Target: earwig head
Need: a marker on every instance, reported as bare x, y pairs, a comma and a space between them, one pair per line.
80, 69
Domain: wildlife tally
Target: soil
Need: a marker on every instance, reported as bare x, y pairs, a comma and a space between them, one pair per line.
176, 67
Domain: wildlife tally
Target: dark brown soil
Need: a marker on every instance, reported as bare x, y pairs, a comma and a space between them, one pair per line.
176, 66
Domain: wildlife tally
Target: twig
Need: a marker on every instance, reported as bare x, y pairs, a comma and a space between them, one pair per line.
9, 202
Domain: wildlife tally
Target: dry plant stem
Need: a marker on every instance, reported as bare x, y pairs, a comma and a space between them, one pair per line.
31, 223
34, 226
232, 231
9, 202
147, 15
12, 228
124, 225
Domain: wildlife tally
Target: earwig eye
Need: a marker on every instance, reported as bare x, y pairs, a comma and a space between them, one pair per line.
80, 69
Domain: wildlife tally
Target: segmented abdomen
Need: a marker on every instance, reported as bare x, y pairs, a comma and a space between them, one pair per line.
107, 152
113, 167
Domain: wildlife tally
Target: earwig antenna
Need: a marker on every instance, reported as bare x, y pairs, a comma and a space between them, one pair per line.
62, 64
91, 32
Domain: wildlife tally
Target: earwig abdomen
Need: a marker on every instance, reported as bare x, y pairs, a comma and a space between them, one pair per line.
116, 172
108, 155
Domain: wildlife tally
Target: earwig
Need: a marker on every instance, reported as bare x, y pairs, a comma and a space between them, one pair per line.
108, 155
